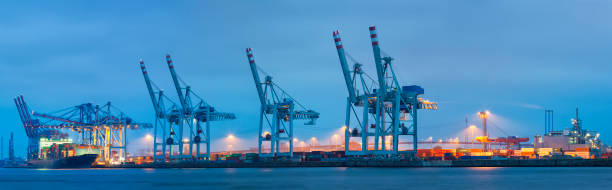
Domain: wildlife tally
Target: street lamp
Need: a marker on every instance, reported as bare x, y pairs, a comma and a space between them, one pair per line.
230, 139
148, 139
472, 128
335, 136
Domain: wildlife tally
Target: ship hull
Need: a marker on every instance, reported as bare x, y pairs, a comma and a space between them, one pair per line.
82, 161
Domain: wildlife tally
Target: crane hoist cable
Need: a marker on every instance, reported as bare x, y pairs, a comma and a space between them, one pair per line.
284, 93
374, 83
495, 125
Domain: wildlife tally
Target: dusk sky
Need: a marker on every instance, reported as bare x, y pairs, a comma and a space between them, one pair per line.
514, 58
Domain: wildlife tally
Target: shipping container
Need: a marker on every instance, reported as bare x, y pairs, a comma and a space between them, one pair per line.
527, 150
581, 150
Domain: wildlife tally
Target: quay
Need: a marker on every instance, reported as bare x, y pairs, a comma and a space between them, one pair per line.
380, 163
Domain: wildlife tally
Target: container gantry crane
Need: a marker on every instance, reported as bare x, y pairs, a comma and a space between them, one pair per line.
361, 102
394, 107
278, 109
197, 115
104, 126
166, 120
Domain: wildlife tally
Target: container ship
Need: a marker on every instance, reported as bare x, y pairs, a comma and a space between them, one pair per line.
65, 155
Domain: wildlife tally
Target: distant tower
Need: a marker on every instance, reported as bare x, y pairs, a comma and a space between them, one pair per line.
548, 121
12, 148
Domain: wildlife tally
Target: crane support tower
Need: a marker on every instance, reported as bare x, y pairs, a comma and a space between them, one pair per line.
278, 110
393, 108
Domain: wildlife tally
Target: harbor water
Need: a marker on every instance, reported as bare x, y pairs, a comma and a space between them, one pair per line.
310, 178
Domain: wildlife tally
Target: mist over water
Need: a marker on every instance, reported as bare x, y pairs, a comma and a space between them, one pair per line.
309, 178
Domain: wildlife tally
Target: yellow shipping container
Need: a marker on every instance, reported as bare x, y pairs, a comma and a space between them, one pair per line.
463, 150
482, 154
544, 153
527, 150
545, 149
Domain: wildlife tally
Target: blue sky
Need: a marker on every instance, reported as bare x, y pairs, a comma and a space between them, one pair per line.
514, 58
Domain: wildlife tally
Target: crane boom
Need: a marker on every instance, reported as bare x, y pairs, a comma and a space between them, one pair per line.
378, 60
56, 118
158, 112
260, 92
345, 67
27, 115
177, 84
22, 115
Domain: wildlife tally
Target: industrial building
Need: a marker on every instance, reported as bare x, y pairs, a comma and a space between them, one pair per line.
574, 141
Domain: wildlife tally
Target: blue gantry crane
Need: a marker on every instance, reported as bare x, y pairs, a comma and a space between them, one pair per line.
392, 107
104, 126
278, 110
167, 119
194, 115
361, 102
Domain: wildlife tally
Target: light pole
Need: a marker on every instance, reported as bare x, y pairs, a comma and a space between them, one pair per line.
335, 137
343, 133
230, 139
148, 138
313, 141
472, 128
